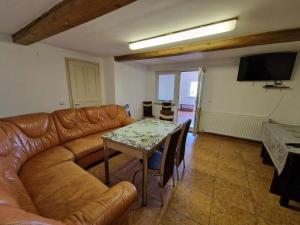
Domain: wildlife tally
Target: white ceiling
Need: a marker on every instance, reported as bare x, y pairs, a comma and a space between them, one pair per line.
15, 14
109, 34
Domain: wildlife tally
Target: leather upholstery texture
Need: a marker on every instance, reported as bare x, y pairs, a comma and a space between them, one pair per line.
41, 176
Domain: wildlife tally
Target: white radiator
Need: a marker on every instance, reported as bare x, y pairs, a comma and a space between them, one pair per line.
248, 127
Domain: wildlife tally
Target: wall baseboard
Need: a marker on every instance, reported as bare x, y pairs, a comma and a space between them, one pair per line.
241, 126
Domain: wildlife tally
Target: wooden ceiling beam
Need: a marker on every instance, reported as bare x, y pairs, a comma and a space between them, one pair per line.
65, 15
272, 37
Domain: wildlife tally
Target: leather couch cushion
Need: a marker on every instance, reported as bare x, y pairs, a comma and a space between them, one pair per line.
76, 123
61, 189
12, 155
85, 146
29, 135
46, 159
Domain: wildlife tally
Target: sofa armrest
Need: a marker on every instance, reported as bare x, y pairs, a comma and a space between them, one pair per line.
108, 208
128, 120
12, 215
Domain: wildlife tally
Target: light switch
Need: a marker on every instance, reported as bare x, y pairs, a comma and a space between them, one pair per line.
61, 102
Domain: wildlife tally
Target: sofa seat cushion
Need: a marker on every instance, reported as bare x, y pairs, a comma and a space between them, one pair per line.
46, 159
85, 146
62, 189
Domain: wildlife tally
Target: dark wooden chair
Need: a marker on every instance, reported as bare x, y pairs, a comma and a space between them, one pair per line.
181, 146
161, 164
166, 112
166, 115
167, 106
147, 109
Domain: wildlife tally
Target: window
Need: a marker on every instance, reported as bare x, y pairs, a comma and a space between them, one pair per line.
166, 86
193, 89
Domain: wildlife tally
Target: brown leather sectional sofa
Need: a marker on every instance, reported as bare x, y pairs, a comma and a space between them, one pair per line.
42, 180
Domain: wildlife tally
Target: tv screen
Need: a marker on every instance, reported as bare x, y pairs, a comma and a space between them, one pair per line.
273, 66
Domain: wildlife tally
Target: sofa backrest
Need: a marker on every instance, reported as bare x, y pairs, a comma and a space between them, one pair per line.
12, 155
37, 132
75, 123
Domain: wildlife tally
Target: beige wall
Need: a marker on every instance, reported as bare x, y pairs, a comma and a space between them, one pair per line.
131, 86
33, 78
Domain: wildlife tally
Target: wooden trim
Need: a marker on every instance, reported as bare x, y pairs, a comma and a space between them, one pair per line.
272, 37
65, 15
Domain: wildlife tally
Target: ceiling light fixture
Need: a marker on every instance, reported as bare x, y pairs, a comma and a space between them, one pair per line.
210, 29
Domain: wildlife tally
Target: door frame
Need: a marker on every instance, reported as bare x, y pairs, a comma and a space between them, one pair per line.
176, 89
182, 71
67, 60
201, 79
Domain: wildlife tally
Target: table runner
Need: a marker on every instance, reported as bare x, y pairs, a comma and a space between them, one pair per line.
275, 136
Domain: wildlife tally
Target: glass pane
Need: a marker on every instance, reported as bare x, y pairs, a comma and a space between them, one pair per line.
166, 85
193, 89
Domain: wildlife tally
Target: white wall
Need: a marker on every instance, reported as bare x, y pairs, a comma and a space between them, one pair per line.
223, 94
131, 86
109, 80
33, 78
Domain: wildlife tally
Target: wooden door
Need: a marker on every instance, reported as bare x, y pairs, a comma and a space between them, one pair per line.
84, 83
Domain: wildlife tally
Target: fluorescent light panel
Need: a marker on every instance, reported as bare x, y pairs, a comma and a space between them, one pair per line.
197, 32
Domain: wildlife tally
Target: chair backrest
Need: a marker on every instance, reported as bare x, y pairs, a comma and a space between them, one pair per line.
147, 108
167, 163
166, 115
167, 106
182, 141
126, 107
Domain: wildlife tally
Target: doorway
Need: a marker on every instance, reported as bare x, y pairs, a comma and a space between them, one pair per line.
188, 93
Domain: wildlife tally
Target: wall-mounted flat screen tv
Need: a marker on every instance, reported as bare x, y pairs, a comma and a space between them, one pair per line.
272, 66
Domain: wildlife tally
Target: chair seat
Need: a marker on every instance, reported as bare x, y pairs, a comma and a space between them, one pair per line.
154, 161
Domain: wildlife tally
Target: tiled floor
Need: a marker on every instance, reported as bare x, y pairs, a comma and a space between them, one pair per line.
224, 183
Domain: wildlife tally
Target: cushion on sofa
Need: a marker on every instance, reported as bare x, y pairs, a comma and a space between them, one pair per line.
76, 123
11, 156
85, 146
61, 189
46, 159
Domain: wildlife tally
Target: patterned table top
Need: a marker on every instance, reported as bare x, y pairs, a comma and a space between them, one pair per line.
144, 134
275, 136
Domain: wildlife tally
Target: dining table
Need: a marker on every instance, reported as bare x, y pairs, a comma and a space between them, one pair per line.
139, 139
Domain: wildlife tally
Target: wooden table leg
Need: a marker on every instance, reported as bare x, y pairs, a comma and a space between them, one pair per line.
145, 179
106, 164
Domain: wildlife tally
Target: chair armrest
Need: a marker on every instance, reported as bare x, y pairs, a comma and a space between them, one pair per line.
108, 208
128, 120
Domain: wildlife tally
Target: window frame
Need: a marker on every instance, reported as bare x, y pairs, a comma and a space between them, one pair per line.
176, 86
